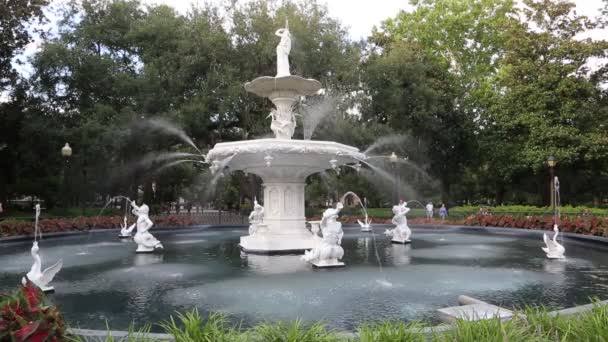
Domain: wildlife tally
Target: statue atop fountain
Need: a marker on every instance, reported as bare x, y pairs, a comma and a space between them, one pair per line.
283, 49
401, 233
256, 217
145, 241
329, 251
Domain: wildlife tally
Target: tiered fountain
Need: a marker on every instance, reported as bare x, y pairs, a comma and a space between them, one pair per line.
282, 163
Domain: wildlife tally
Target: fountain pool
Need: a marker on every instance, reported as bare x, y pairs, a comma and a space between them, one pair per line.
204, 268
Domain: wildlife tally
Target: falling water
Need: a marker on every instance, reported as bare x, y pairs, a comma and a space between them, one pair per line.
556, 214
37, 232
85, 251
157, 158
170, 128
384, 281
313, 114
217, 175
393, 139
177, 162
385, 175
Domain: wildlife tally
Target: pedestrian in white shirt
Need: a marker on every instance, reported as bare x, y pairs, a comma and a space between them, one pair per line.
429, 211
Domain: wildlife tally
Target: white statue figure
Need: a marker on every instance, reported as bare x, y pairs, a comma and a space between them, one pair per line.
256, 217
283, 49
329, 251
37, 276
145, 241
283, 123
125, 231
367, 226
554, 250
315, 228
401, 233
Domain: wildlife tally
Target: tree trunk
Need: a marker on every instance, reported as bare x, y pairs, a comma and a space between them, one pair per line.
500, 193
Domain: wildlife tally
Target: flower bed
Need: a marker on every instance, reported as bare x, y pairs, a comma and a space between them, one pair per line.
597, 226
17, 227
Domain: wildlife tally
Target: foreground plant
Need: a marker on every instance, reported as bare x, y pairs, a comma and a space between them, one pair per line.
294, 331
191, 327
392, 332
25, 316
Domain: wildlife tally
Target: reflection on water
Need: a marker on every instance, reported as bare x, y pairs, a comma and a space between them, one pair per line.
143, 259
207, 270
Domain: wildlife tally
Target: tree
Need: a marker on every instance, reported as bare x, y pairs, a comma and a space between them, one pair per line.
15, 17
15, 33
545, 100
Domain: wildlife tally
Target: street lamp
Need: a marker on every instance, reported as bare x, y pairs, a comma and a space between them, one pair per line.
393, 159
551, 162
66, 152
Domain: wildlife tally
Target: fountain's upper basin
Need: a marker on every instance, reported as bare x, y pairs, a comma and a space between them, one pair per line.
294, 157
291, 85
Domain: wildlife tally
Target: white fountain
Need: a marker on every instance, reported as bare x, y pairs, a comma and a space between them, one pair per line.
282, 163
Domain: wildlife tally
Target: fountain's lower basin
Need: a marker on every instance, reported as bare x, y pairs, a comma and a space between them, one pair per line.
205, 269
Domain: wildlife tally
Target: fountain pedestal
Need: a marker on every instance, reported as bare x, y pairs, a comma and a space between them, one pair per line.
284, 217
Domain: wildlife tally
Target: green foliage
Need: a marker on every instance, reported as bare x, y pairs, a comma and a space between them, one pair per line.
482, 97
294, 331
190, 327
532, 324
391, 331
531, 210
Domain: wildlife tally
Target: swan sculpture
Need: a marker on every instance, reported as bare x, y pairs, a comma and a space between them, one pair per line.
554, 250
125, 232
37, 276
365, 227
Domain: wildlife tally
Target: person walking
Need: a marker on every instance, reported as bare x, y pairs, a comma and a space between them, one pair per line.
429, 211
443, 211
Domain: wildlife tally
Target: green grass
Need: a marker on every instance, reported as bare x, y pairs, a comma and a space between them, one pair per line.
531, 325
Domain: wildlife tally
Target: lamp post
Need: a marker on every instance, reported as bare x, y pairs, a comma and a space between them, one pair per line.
393, 159
551, 162
66, 153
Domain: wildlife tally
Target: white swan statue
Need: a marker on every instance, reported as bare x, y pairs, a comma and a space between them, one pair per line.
37, 276
125, 232
554, 250
365, 226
